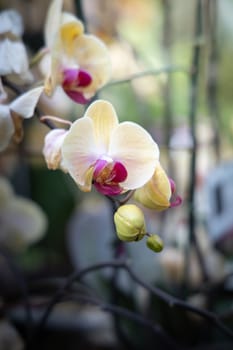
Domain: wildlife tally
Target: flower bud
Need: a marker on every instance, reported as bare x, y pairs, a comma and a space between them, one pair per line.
52, 148
155, 243
156, 193
130, 223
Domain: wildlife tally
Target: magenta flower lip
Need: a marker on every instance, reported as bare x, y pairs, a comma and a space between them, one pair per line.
108, 175
73, 79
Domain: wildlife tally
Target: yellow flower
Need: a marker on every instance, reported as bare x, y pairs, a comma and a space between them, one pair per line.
157, 192
80, 63
113, 156
130, 223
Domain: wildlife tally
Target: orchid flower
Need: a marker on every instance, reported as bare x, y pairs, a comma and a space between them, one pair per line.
158, 191
13, 54
113, 156
12, 115
80, 63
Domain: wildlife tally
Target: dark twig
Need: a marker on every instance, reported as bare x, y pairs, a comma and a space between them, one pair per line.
119, 250
167, 50
212, 81
161, 335
194, 87
12, 86
163, 296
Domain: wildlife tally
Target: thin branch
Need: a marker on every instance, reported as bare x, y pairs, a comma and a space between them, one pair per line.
163, 70
175, 302
212, 82
131, 315
164, 296
194, 87
12, 86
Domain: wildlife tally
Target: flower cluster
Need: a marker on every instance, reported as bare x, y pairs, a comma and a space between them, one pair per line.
116, 158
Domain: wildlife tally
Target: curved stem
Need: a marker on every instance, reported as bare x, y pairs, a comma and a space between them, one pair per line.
163, 70
159, 293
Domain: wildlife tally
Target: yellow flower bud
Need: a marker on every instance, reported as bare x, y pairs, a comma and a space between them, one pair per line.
130, 223
155, 243
156, 193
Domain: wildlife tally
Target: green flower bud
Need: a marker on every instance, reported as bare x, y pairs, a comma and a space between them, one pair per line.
130, 223
155, 243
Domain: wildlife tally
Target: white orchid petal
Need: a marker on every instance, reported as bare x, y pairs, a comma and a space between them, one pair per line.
25, 104
104, 120
11, 22
52, 22
79, 150
13, 57
6, 127
134, 147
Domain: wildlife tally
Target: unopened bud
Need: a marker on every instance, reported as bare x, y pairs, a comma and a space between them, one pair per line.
155, 243
52, 148
156, 193
130, 223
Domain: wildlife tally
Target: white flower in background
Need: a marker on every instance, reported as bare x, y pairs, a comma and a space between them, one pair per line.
13, 54
22, 221
12, 115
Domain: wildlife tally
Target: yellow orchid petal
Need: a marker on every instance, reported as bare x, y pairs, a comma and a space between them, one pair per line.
134, 147
140, 196
156, 193
70, 30
104, 120
162, 183
91, 54
62, 49
79, 150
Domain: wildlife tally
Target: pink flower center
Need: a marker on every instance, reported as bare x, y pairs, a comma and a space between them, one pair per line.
107, 176
73, 80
